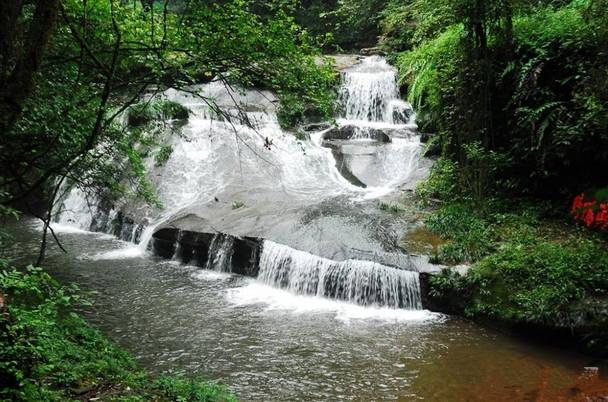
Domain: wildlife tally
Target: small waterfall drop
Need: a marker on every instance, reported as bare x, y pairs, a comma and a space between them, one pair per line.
75, 209
369, 93
359, 282
220, 253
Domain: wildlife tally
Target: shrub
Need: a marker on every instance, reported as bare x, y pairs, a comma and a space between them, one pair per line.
532, 278
442, 183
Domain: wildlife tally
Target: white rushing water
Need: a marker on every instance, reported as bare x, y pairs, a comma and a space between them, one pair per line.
220, 253
369, 93
243, 155
359, 282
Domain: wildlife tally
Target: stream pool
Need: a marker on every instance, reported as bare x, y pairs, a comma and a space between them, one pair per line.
269, 345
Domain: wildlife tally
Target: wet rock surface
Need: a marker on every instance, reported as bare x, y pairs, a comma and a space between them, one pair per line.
349, 132
196, 248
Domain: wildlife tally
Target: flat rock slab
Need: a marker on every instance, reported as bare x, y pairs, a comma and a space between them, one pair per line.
342, 61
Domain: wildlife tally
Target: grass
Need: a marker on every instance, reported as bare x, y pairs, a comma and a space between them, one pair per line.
48, 353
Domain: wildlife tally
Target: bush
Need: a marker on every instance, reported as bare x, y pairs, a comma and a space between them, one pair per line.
532, 106
471, 237
442, 183
539, 281
308, 96
525, 274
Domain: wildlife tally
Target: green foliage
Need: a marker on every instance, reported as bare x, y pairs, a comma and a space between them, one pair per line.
538, 281
317, 103
406, 24
184, 390
357, 22
527, 269
442, 184
425, 70
517, 93
237, 204
541, 279
146, 112
471, 236
48, 353
163, 155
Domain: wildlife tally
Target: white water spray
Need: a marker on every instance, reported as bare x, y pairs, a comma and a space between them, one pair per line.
359, 282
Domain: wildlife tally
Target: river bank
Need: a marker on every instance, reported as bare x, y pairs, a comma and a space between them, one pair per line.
49, 353
533, 270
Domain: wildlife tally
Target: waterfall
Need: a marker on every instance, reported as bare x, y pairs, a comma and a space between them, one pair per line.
75, 209
241, 156
359, 282
220, 253
369, 93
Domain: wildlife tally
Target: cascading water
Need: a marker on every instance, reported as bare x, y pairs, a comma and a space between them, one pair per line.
370, 109
238, 172
367, 90
360, 282
75, 209
220, 253
369, 93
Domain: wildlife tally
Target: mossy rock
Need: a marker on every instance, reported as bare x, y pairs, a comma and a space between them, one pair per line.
147, 112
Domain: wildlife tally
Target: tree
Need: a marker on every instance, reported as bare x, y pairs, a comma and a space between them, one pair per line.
23, 43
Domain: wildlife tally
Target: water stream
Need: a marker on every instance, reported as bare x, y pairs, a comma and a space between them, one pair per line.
269, 344
335, 311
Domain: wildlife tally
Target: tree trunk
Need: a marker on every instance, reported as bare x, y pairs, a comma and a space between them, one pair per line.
18, 83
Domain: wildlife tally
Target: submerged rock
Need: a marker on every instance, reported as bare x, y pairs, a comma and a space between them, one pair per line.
317, 126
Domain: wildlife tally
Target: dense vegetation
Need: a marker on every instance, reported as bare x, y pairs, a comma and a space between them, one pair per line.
532, 268
517, 95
